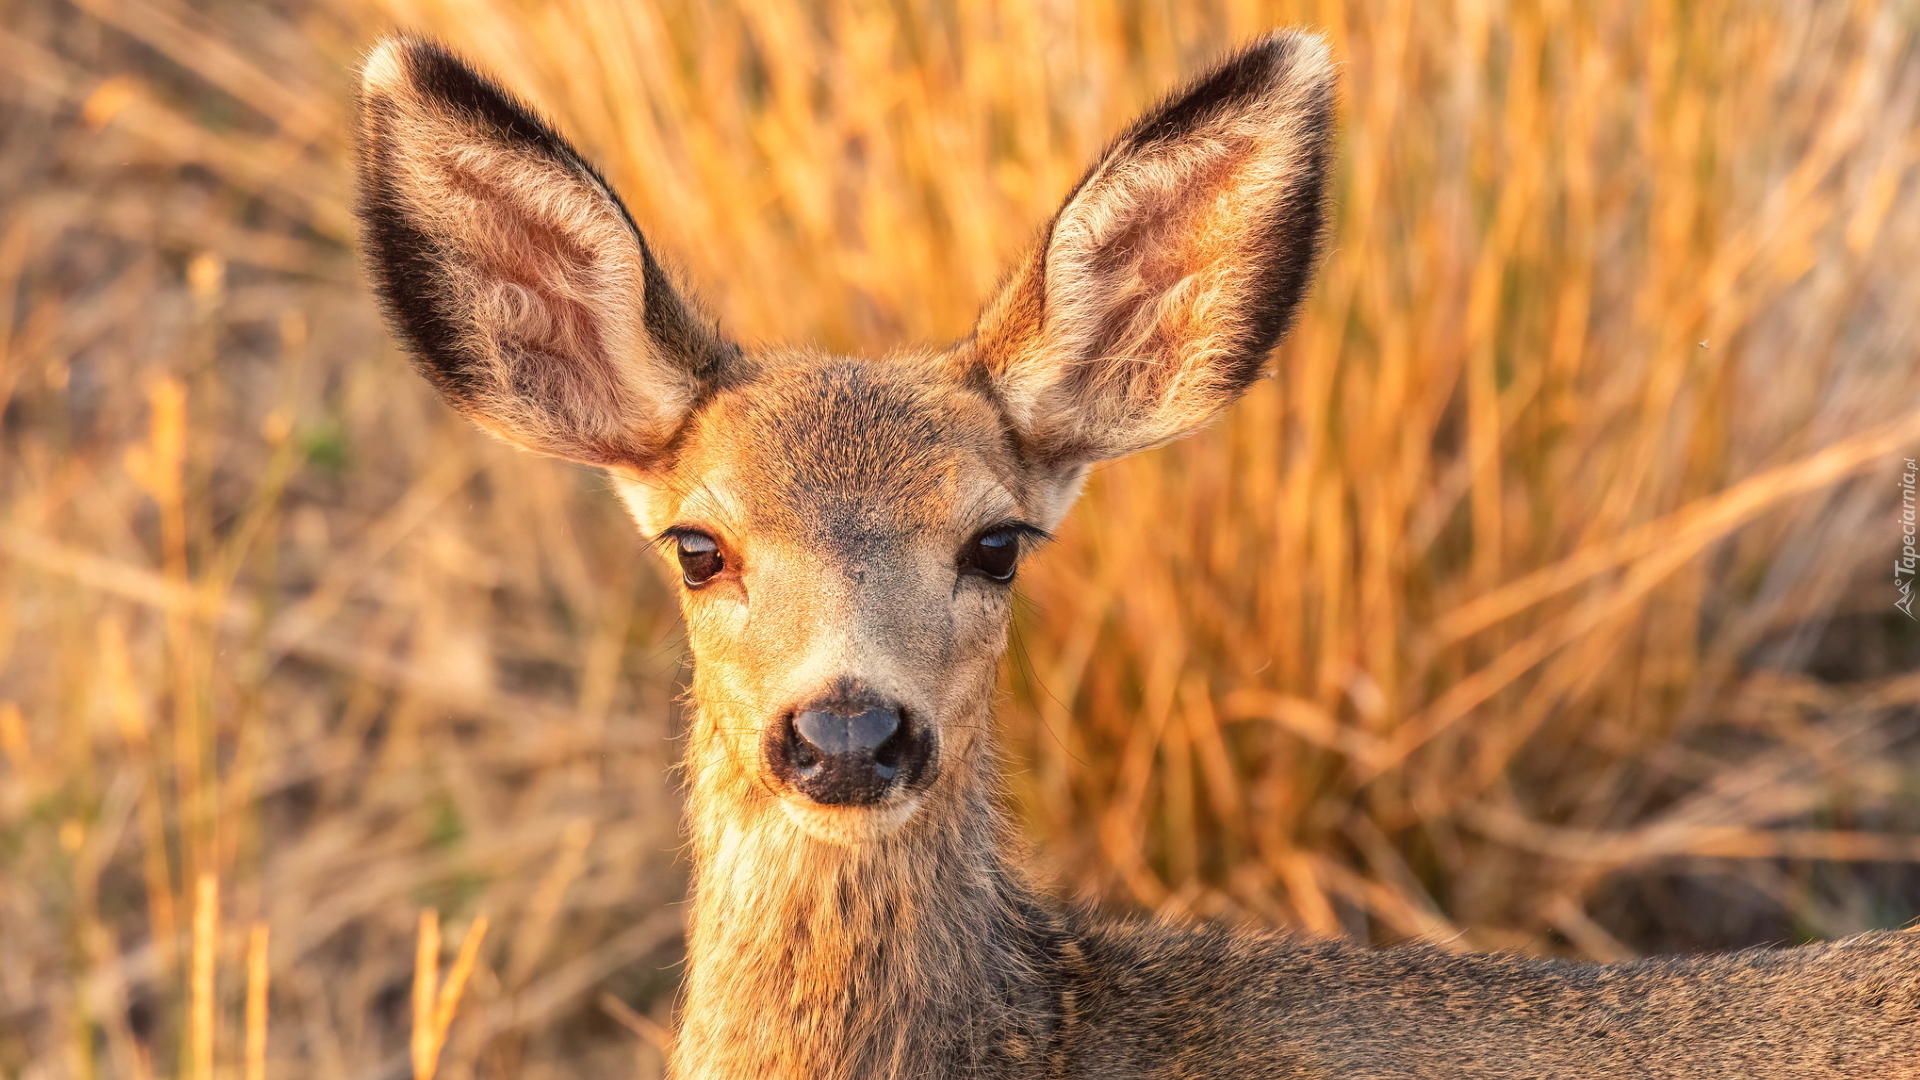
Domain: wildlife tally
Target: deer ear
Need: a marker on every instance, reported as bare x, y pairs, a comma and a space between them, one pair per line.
513, 272
1174, 267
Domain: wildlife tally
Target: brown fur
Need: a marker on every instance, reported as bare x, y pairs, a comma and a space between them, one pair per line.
899, 939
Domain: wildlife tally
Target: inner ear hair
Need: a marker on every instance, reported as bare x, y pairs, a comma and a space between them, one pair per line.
1175, 265
513, 272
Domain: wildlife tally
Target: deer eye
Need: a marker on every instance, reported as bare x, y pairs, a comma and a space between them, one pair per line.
993, 554
700, 559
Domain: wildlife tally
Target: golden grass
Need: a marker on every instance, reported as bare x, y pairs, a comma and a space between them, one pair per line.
259, 977
435, 1002
1542, 601
206, 940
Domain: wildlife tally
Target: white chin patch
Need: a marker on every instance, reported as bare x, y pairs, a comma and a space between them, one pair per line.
849, 826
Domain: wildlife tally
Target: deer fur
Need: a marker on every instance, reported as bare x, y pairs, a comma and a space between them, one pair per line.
837, 502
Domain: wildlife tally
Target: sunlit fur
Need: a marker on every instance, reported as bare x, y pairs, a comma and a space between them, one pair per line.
842, 491
901, 939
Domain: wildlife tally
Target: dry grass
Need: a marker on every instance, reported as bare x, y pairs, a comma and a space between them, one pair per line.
1544, 599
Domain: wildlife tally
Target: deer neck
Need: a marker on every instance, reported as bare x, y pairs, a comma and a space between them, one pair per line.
917, 954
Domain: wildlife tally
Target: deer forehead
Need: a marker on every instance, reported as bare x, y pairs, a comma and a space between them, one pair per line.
844, 456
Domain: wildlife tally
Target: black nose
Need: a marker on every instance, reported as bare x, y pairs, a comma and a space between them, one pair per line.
842, 755
834, 736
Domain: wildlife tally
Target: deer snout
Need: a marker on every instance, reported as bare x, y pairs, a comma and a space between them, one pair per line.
837, 754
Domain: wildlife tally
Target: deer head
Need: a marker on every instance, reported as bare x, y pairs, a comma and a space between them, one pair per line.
847, 530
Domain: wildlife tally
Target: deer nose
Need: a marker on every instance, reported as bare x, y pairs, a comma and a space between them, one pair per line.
844, 760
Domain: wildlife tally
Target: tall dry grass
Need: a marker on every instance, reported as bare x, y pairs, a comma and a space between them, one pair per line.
1543, 600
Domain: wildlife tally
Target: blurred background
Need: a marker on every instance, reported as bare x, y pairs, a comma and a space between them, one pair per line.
1543, 601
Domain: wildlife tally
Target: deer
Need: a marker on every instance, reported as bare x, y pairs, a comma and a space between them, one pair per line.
846, 531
